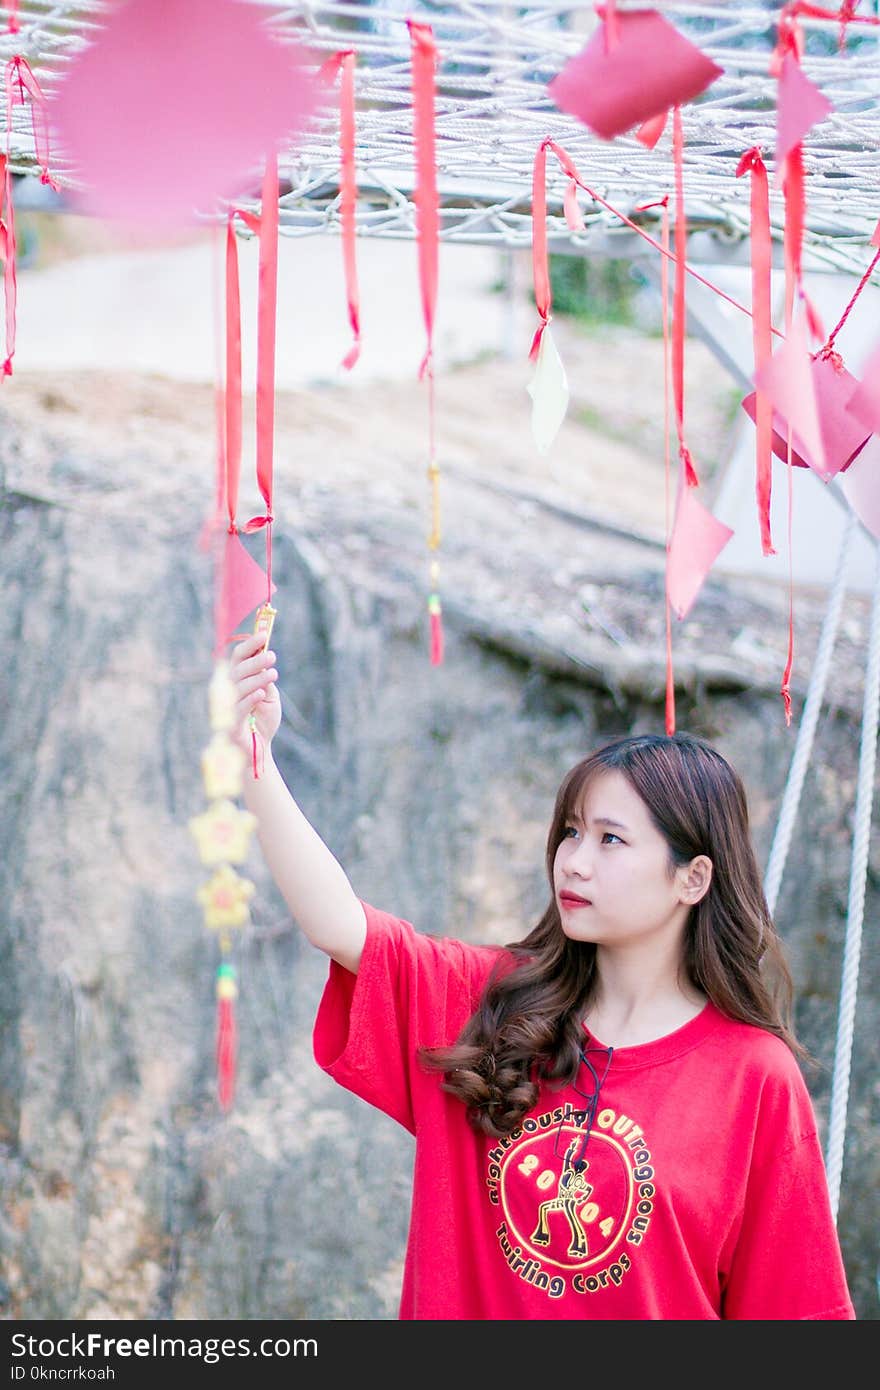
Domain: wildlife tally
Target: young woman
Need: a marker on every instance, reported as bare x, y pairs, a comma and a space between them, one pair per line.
610, 1116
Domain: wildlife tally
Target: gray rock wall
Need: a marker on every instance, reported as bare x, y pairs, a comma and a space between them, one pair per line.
126, 1193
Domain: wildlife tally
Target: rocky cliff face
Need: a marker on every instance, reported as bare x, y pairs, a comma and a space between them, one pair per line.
126, 1193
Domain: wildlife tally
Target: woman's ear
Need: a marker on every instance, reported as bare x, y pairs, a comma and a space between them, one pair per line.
694, 879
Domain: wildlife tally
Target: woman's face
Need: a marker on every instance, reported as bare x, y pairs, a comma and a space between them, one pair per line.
612, 872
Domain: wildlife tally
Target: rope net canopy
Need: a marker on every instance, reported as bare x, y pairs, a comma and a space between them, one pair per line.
493, 110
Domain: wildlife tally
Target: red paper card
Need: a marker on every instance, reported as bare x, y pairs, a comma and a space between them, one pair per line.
652, 67
174, 106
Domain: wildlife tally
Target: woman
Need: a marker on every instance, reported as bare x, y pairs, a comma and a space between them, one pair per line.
610, 1117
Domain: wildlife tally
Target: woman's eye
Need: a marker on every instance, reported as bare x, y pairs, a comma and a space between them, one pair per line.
568, 832
610, 838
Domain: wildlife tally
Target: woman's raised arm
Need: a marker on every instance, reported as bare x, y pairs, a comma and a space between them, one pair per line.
311, 880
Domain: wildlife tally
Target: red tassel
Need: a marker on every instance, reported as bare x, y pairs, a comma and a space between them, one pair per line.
436, 630
226, 1051
256, 753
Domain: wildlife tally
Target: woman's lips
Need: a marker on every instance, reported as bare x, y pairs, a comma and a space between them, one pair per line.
572, 900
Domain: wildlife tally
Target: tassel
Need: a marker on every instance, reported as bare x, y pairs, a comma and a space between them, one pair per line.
256, 749
226, 1034
436, 615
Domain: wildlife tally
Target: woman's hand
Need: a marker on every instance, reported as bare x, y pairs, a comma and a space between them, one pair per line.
253, 675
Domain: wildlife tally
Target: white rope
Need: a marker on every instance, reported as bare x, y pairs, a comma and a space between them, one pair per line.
809, 719
856, 905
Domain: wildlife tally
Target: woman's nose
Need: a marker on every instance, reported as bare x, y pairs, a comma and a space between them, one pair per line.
580, 861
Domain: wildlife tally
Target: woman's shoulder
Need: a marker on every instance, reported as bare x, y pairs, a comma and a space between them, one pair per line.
754, 1049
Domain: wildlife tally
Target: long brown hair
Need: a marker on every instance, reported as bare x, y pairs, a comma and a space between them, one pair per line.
528, 1024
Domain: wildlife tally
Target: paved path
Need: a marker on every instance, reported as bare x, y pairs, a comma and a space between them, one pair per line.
154, 310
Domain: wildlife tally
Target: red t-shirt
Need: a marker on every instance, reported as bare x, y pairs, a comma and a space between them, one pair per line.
704, 1193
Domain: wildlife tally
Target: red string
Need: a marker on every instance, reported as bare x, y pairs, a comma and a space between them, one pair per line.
667, 468
846, 313
761, 332
348, 204
679, 311
233, 375
20, 82
569, 168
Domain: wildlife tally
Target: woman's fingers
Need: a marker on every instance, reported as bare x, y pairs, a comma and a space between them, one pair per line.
246, 663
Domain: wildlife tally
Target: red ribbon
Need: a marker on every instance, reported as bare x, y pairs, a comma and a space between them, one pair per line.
7, 254
679, 311
572, 173
344, 62
540, 263
753, 163
232, 450
424, 63
424, 67
664, 295
20, 81
267, 313
348, 204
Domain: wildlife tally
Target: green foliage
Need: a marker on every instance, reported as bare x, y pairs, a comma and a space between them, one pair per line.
594, 292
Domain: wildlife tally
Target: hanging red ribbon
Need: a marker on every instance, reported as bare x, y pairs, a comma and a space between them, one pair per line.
667, 465
241, 584
789, 49
266, 321
679, 311
424, 67
344, 62
7, 255
569, 168
21, 85
760, 243
233, 404
348, 205
540, 263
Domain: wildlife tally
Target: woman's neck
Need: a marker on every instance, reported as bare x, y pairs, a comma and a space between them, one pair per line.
631, 1006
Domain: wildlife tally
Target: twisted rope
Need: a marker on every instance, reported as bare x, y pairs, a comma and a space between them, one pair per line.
856, 905
809, 719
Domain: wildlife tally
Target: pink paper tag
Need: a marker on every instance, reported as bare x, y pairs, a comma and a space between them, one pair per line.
243, 587
697, 540
861, 486
814, 393
864, 403
800, 106
651, 68
174, 106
